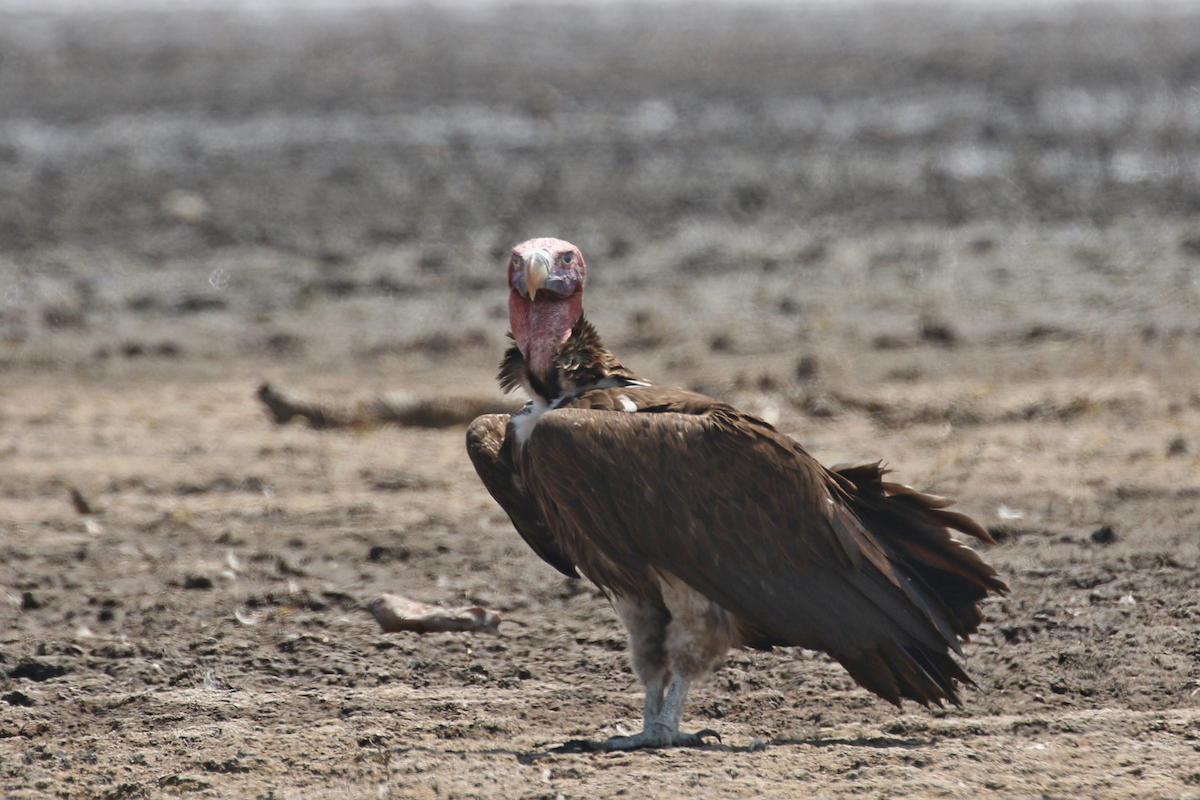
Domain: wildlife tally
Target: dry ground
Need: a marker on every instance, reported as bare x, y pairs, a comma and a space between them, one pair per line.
203, 633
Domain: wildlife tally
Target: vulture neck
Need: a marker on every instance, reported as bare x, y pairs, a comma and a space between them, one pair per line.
580, 363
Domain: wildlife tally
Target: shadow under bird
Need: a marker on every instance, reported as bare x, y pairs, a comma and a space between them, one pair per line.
707, 528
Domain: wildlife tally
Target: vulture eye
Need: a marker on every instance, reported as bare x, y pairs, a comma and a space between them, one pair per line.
568, 257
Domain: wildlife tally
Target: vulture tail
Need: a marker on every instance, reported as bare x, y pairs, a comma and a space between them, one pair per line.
911, 672
915, 528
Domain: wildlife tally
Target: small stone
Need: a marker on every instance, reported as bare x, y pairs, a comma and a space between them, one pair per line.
185, 206
806, 368
937, 332
197, 582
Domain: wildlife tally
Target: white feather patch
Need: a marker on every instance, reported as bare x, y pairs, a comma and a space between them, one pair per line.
524, 420
627, 404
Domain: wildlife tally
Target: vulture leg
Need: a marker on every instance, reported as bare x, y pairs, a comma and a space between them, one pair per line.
654, 702
671, 644
646, 625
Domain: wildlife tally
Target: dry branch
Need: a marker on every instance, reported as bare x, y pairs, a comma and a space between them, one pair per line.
395, 613
417, 412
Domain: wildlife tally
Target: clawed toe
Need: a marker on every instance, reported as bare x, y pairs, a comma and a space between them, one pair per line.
696, 739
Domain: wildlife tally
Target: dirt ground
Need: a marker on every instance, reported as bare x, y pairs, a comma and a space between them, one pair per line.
203, 632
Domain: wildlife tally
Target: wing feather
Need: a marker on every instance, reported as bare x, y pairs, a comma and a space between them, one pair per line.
491, 453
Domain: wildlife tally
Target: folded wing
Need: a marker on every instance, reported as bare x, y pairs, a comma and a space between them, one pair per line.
844, 563
491, 453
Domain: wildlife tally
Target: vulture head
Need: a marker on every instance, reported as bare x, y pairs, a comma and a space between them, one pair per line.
545, 300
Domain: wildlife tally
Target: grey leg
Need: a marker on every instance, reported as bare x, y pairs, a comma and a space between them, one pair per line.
672, 709
654, 702
662, 728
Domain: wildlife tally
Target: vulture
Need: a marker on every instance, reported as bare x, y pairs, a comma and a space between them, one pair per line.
708, 529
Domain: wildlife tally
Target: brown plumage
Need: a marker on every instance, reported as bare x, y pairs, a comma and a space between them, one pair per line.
707, 527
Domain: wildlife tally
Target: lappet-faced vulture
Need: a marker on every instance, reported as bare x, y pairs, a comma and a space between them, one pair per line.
709, 529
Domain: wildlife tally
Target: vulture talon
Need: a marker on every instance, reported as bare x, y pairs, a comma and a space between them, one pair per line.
709, 529
700, 736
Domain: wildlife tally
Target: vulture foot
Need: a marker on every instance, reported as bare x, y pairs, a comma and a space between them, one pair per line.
650, 739
661, 727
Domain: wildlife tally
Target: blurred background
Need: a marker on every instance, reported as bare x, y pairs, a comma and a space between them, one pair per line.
319, 181
962, 237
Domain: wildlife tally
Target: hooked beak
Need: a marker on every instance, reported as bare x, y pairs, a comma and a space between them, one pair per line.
537, 272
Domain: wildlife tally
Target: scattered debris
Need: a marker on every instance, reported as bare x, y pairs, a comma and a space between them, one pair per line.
721, 343
395, 613
1048, 332
246, 617
197, 582
82, 506
1004, 512
180, 784
184, 206
17, 698
906, 374
37, 671
1190, 245
382, 554
888, 341
937, 332
1104, 535
393, 481
806, 368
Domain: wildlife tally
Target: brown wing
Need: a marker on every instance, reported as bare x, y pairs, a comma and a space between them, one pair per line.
743, 515
491, 453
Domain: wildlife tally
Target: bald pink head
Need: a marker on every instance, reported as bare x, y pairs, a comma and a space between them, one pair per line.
545, 300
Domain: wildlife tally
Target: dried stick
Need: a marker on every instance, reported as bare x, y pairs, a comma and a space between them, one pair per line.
420, 412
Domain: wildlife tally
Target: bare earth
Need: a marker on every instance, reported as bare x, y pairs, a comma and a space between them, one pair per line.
204, 631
